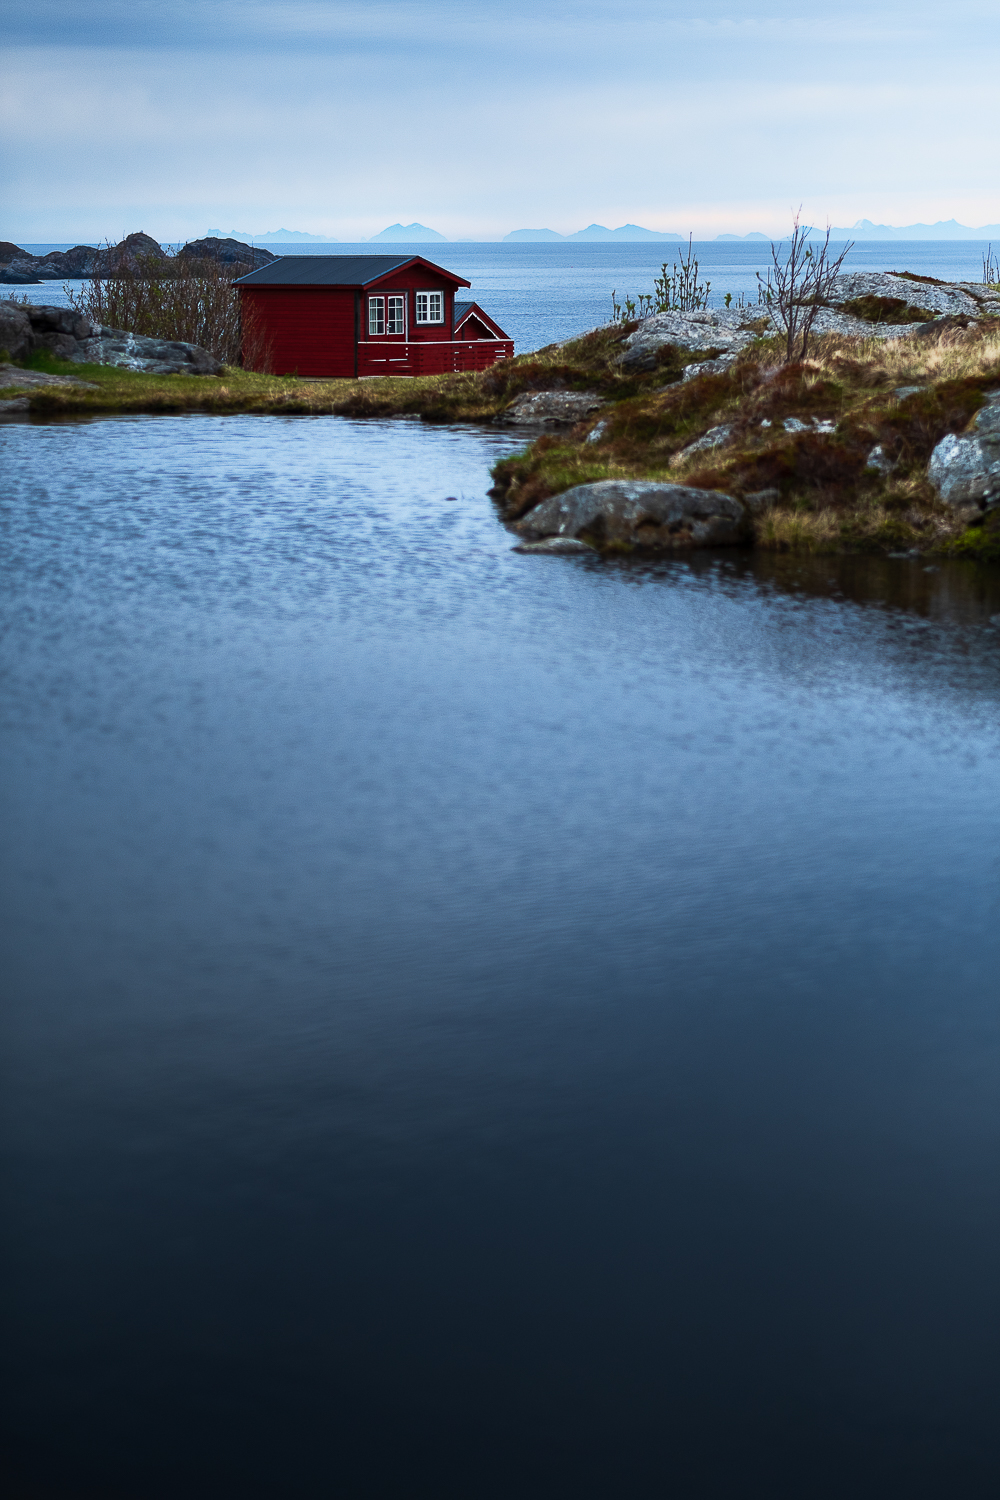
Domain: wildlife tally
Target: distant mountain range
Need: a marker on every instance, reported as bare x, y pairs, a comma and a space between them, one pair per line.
419, 234
592, 232
285, 236
864, 229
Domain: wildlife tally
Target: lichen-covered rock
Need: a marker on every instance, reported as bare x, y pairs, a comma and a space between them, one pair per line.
880, 462
70, 336
920, 296
718, 328
715, 437
551, 408
731, 330
639, 513
131, 351
965, 470
965, 473
709, 367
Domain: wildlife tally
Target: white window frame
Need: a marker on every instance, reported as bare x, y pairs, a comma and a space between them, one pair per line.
395, 315
376, 315
426, 319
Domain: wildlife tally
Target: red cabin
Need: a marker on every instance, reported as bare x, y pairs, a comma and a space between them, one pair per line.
355, 315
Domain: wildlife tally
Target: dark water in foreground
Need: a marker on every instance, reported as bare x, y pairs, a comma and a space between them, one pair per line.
481, 1025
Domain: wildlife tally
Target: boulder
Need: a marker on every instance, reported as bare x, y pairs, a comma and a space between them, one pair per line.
62, 345
715, 437
720, 328
227, 252
45, 320
551, 408
15, 330
555, 546
965, 473
639, 513
938, 299
709, 367
72, 264
70, 336
134, 253
131, 351
965, 470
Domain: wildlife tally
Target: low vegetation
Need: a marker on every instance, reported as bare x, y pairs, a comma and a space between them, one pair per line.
181, 298
820, 486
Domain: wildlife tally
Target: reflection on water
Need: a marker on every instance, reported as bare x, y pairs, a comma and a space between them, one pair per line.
483, 1024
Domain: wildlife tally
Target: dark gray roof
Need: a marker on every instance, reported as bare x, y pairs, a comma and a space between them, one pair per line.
461, 308
334, 270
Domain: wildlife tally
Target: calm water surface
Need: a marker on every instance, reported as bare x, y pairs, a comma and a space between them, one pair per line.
481, 1025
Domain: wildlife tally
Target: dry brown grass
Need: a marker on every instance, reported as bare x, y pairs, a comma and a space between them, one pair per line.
829, 496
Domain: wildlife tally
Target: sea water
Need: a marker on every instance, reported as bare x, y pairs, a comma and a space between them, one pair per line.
545, 292
476, 1024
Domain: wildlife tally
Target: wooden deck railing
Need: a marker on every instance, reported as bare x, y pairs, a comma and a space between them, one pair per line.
432, 357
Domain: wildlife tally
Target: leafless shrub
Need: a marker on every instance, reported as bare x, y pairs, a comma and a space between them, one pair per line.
798, 286
193, 301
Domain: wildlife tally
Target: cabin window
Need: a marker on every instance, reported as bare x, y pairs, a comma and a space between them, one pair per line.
395, 315
430, 307
386, 315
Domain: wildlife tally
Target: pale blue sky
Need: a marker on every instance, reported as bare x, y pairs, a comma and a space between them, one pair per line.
177, 115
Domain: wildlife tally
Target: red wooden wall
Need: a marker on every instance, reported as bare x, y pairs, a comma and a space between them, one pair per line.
308, 330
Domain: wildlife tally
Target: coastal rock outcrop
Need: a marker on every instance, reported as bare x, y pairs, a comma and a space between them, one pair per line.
965, 469
24, 329
639, 513
918, 296
134, 253
227, 252
719, 328
82, 262
863, 304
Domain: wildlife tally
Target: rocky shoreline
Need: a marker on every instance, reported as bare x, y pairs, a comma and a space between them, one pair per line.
134, 253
